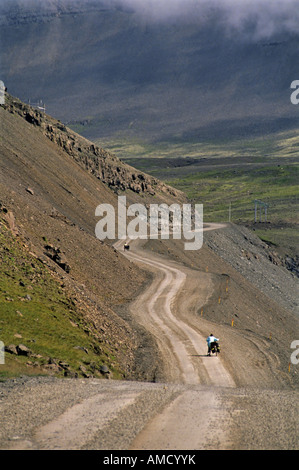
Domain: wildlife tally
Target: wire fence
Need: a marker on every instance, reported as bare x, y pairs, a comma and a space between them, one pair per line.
40, 105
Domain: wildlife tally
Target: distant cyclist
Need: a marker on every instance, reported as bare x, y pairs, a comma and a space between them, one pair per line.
210, 340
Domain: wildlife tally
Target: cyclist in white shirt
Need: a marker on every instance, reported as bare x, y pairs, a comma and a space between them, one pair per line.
211, 339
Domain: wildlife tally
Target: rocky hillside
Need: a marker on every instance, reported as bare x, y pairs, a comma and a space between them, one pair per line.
64, 294
97, 161
51, 181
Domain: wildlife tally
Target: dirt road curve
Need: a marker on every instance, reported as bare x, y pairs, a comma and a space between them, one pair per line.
195, 403
184, 346
187, 361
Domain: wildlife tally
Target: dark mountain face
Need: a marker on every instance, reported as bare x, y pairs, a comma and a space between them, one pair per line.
120, 73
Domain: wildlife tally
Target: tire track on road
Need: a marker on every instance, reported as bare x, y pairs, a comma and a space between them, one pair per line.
187, 345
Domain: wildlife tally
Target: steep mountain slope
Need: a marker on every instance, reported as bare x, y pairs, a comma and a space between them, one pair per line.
114, 72
49, 191
51, 182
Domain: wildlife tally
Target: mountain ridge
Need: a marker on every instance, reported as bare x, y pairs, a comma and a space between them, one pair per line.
97, 161
128, 77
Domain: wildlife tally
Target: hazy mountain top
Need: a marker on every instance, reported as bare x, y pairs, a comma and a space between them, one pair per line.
34, 11
155, 70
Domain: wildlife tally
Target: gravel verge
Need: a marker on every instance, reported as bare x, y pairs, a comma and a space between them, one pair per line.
255, 419
250, 256
28, 404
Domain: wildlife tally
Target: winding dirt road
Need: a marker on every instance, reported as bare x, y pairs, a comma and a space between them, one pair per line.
182, 343
184, 350
194, 404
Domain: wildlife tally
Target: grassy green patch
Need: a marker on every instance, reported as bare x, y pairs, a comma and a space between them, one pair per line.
230, 194
218, 190
227, 176
282, 145
283, 238
36, 311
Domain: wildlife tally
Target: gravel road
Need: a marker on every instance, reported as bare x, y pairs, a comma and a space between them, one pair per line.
56, 414
195, 403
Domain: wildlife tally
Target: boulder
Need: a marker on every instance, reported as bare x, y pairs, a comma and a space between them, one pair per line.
11, 349
58, 257
84, 371
22, 350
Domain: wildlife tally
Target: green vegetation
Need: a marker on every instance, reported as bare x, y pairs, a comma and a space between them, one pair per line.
227, 176
280, 145
230, 194
37, 312
276, 186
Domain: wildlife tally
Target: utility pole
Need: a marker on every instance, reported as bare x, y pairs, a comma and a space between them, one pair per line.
261, 205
